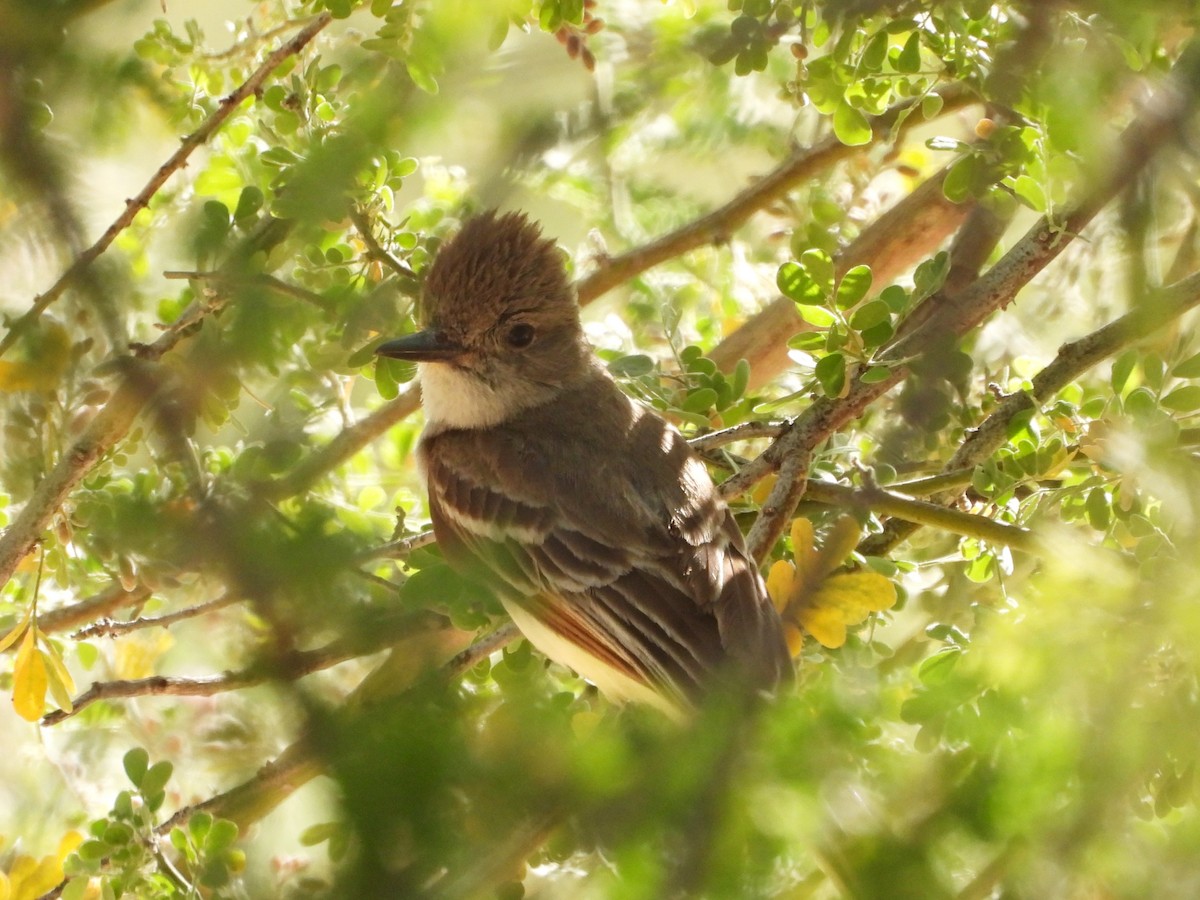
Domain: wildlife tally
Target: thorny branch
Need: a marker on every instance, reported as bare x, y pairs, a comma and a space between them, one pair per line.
177, 161
955, 315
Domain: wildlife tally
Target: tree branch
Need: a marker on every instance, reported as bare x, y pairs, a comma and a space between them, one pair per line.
137, 383
176, 162
343, 445
958, 314
718, 225
110, 628
911, 230
109, 600
923, 512
290, 667
1071, 361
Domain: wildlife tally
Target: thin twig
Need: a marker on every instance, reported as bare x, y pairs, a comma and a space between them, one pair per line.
401, 548
108, 601
299, 763
344, 445
375, 250
744, 431
893, 243
958, 314
295, 665
923, 512
177, 161
111, 628
260, 279
1071, 361
138, 382
481, 649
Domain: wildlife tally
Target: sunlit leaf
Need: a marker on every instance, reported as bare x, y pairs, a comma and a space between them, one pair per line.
29, 679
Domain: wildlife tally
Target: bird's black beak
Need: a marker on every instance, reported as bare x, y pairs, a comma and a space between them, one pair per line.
430, 345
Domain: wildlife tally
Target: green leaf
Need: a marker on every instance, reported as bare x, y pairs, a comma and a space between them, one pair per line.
930, 275
250, 201
700, 401
1188, 368
797, 284
156, 778
1184, 399
807, 340
855, 285
222, 834
932, 105
874, 53
963, 179
870, 314
422, 77
851, 126
831, 374
136, 761
909, 60
937, 668
1122, 368
631, 366
817, 316
820, 266
1030, 192
875, 374
385, 382
740, 379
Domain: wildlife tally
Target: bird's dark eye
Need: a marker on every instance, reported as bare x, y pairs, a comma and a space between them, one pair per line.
520, 336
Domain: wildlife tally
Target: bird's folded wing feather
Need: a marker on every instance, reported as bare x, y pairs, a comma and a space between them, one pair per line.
664, 601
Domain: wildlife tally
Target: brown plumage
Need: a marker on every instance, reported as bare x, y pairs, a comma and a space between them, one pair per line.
589, 515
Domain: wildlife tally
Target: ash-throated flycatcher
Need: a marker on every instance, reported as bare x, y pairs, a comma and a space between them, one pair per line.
589, 515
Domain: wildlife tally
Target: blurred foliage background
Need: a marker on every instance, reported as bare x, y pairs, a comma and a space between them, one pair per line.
917, 277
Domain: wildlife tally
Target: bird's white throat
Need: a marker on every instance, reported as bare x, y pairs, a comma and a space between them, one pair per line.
456, 399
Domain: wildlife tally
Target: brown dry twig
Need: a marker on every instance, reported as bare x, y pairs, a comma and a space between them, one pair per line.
110, 628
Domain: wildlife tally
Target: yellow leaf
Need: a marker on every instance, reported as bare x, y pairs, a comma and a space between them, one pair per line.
5, 887
38, 879
827, 625
29, 680
69, 844
762, 490
780, 579
844, 600
839, 542
11, 638
805, 554
62, 685
38, 360
794, 637
19, 871
137, 654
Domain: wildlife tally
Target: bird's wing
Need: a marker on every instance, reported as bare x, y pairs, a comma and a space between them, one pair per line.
657, 588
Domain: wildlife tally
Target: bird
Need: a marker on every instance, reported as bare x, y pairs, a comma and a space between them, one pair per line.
588, 514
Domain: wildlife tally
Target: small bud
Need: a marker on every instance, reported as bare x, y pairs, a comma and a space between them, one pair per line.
799, 51
984, 128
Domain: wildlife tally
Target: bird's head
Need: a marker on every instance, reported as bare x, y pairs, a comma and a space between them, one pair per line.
502, 328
